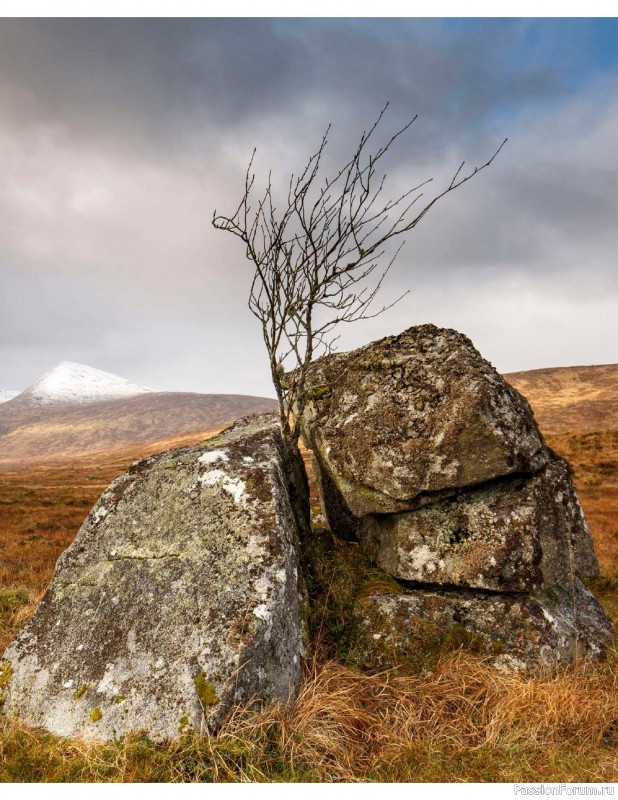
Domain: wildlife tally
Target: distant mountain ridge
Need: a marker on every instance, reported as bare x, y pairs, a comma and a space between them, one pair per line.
74, 411
69, 382
51, 421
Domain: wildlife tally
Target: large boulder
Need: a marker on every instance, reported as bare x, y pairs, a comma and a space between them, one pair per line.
412, 415
180, 596
515, 534
533, 633
425, 455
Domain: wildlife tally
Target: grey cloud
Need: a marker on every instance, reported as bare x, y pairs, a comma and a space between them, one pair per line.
160, 77
119, 138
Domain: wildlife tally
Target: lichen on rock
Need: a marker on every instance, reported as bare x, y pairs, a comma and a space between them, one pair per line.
427, 457
528, 632
205, 690
412, 414
515, 534
181, 595
6, 673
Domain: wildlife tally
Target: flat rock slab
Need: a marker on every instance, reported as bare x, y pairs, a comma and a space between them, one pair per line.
516, 534
414, 414
517, 631
180, 597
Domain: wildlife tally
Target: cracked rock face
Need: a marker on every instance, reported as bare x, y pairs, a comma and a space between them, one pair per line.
180, 596
517, 534
517, 631
412, 414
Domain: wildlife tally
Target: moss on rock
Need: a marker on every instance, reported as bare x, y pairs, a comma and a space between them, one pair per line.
6, 673
205, 691
188, 562
318, 392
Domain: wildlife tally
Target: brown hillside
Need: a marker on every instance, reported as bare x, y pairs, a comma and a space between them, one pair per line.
43, 434
571, 398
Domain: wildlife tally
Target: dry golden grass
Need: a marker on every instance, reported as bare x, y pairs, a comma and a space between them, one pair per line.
464, 722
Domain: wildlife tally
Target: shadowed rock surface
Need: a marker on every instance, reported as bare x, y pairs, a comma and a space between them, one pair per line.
516, 534
518, 631
180, 596
414, 414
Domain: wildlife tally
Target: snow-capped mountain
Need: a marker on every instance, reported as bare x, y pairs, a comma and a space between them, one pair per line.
74, 412
69, 382
7, 394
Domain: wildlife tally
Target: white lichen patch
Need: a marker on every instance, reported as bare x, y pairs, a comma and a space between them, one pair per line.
262, 612
262, 585
236, 487
108, 685
194, 572
549, 617
100, 513
423, 559
212, 456
212, 478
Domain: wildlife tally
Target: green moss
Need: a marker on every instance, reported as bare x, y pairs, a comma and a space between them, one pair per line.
376, 582
498, 647
119, 698
11, 600
80, 692
184, 724
216, 441
6, 674
96, 714
205, 691
338, 574
410, 644
319, 392
377, 646
458, 637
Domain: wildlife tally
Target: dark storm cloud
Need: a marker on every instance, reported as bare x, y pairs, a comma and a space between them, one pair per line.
118, 138
155, 78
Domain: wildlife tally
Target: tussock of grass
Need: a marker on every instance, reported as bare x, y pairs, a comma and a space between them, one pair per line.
465, 722
16, 606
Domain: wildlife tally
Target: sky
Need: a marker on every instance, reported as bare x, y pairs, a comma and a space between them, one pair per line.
119, 138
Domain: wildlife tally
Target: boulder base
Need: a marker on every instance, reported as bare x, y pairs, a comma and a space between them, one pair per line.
517, 631
180, 596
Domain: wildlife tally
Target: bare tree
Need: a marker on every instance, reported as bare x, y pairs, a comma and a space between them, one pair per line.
317, 259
